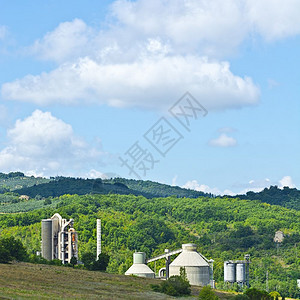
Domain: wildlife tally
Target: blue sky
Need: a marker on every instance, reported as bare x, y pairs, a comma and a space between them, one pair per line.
82, 82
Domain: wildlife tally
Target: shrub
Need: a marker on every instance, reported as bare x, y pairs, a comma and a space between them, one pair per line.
174, 286
207, 294
255, 294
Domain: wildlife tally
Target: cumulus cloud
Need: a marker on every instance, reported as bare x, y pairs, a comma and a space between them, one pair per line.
151, 52
223, 141
142, 84
67, 41
286, 181
42, 144
274, 19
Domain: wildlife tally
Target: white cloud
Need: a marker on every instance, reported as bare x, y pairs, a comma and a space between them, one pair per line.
67, 41
149, 82
93, 174
286, 181
213, 27
42, 144
254, 186
223, 141
151, 52
241, 188
274, 19
194, 185
174, 180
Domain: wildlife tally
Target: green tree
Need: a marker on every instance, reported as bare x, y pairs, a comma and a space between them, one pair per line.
207, 294
102, 262
88, 259
14, 247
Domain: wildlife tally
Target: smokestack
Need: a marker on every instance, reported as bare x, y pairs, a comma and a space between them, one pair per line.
98, 237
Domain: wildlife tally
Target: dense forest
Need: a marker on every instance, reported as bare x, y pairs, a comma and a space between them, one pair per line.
286, 197
223, 228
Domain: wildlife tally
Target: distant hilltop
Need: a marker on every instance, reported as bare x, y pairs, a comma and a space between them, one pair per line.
60, 185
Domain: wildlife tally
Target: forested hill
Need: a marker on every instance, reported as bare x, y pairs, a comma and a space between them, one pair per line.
17, 180
286, 197
79, 186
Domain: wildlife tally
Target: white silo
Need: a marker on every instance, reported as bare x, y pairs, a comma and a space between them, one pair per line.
196, 266
240, 272
229, 271
139, 268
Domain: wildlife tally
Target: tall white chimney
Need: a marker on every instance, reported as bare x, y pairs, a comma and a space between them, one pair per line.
98, 237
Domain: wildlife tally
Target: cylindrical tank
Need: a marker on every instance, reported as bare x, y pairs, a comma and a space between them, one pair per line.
229, 272
139, 268
47, 247
139, 257
196, 267
240, 272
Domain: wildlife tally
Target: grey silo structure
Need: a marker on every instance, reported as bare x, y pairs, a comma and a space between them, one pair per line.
47, 239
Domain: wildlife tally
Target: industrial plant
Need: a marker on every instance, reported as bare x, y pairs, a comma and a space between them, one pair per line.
199, 270
59, 239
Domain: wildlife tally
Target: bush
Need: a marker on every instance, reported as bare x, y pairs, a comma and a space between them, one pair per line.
207, 294
88, 259
174, 286
255, 294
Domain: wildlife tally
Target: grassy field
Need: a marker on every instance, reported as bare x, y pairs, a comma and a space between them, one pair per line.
30, 281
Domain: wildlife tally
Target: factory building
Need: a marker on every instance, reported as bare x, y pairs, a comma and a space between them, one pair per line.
199, 270
59, 239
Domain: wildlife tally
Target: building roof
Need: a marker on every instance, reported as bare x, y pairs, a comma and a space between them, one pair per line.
189, 259
139, 269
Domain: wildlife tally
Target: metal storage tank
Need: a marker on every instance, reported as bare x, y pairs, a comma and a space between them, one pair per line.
229, 271
196, 267
47, 246
240, 272
139, 268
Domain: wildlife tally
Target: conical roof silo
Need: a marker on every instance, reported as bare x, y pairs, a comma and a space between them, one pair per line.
196, 266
